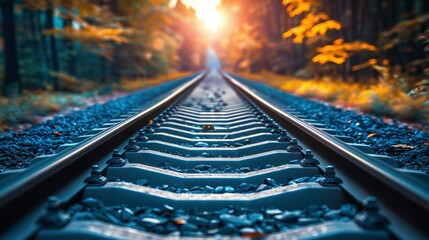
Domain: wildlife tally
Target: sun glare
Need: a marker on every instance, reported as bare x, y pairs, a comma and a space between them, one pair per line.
212, 20
206, 11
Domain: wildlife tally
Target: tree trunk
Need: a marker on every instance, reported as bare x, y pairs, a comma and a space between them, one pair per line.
53, 47
12, 84
43, 44
38, 45
71, 52
425, 7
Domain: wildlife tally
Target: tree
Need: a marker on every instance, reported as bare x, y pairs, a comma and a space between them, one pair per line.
52, 45
12, 84
193, 44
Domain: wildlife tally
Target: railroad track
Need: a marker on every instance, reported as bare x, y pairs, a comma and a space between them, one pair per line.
212, 159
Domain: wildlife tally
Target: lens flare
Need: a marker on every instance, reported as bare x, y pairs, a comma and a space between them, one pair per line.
212, 20
206, 11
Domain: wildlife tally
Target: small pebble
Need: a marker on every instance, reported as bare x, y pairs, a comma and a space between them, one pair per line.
271, 182
229, 189
262, 187
244, 187
235, 221
149, 222
208, 189
201, 144
220, 189
273, 211
202, 167
142, 182
93, 203
126, 214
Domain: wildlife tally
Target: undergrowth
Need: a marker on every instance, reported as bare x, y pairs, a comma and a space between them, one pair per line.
133, 84
382, 98
32, 106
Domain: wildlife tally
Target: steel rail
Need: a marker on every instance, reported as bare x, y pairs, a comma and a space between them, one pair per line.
16, 187
396, 190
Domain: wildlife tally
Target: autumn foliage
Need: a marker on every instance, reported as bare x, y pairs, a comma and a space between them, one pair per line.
338, 51
312, 25
99, 41
371, 55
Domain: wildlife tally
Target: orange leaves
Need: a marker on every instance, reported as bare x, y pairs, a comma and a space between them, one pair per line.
312, 25
339, 51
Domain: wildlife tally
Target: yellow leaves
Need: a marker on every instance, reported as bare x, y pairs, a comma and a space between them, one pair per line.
290, 32
298, 39
304, 7
322, 28
85, 7
339, 51
93, 35
337, 58
372, 61
299, 33
369, 63
296, 7
312, 25
338, 41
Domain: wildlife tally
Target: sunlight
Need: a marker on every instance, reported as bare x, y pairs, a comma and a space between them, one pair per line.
212, 20
206, 11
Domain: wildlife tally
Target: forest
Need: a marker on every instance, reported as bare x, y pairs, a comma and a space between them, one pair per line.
369, 55
49, 44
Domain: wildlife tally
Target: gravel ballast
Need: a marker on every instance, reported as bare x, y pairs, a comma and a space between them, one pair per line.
206, 168
268, 183
18, 148
407, 145
231, 220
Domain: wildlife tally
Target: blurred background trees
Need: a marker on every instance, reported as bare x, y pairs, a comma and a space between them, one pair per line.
349, 40
78, 45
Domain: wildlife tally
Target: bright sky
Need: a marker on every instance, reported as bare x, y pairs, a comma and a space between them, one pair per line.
206, 11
